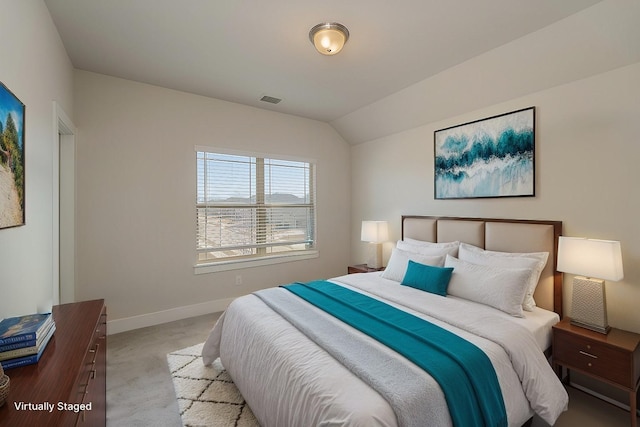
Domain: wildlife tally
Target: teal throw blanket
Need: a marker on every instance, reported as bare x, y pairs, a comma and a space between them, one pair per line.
463, 371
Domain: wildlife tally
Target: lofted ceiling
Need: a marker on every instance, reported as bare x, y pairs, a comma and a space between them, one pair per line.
240, 50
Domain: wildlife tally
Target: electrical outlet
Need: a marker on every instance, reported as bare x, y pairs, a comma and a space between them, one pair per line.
238, 280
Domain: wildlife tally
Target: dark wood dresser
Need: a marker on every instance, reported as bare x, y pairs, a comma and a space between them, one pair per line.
70, 376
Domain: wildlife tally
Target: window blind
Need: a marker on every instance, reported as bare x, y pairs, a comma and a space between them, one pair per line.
252, 206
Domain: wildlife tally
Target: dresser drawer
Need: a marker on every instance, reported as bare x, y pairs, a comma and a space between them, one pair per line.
85, 399
94, 388
593, 357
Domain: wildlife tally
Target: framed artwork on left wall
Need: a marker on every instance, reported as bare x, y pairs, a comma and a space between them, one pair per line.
12, 206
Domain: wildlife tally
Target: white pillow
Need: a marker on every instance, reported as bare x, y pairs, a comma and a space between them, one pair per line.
399, 261
535, 261
428, 248
501, 288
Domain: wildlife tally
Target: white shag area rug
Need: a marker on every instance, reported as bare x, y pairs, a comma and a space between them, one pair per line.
206, 394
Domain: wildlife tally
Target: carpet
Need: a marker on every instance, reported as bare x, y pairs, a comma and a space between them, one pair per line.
206, 394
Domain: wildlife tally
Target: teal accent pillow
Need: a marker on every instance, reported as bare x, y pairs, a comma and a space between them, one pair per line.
428, 278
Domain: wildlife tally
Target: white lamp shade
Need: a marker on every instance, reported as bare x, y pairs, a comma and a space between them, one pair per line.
374, 231
600, 259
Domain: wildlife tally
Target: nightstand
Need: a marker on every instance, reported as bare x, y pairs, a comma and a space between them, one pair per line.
362, 268
613, 358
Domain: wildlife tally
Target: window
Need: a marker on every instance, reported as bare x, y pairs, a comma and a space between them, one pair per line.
251, 207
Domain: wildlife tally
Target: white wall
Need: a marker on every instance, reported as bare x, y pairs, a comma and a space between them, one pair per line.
587, 151
36, 68
136, 195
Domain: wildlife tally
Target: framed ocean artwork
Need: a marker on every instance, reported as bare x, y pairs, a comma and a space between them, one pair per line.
491, 157
11, 159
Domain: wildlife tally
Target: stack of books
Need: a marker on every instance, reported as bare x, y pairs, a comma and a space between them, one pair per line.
24, 338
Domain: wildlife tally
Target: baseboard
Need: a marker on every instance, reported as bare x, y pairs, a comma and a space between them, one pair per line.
160, 317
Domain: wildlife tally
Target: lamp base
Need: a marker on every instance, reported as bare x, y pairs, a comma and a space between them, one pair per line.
603, 330
589, 307
375, 255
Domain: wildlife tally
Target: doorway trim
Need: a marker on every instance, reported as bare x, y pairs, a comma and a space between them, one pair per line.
63, 215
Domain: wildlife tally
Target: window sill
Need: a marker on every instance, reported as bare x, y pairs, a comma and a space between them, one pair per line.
255, 262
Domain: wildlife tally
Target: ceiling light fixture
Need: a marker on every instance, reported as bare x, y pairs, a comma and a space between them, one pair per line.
329, 38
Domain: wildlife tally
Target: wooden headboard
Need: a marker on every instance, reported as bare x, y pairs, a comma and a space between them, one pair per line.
505, 235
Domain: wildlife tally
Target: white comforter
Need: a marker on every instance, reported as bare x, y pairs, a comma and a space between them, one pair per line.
289, 381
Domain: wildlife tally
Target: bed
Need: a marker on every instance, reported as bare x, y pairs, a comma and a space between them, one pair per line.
297, 365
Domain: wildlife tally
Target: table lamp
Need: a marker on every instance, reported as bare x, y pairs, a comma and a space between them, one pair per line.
592, 260
375, 232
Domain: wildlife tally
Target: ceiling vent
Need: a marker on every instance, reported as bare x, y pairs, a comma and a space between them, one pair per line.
270, 99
